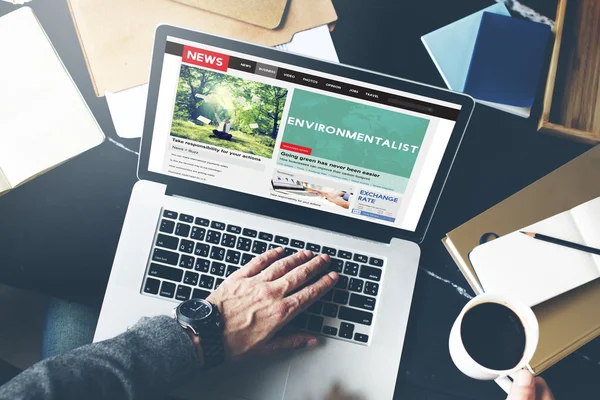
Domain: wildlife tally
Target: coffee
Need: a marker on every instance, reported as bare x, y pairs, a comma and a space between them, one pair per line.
494, 336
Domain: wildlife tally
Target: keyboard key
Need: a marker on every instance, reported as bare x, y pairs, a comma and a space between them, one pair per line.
330, 251
356, 285
182, 230
378, 262
168, 242
265, 236
259, 247
289, 251
344, 254
169, 214
340, 297
315, 308
202, 249
151, 286
249, 232
200, 294
352, 315
164, 272
364, 302
228, 240
201, 221
217, 268
186, 218
244, 244
342, 282
371, 288
359, 337
217, 253
183, 293
190, 278
186, 262
336, 265
202, 265
206, 282
315, 323
282, 240
165, 256
167, 226
233, 257
330, 310
234, 229
213, 237
351, 268
297, 244
167, 289
186, 246
370, 273
328, 296
330, 330
218, 283
246, 258
360, 258
315, 248
230, 270
273, 246
300, 321
198, 233
346, 330
217, 225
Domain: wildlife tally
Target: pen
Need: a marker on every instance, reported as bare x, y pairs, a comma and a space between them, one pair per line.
561, 242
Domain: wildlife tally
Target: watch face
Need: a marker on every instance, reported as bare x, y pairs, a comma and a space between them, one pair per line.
195, 309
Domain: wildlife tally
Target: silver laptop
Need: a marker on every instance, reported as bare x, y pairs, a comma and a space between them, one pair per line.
228, 124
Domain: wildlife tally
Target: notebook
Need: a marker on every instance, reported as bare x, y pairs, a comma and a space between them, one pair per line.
44, 120
451, 48
507, 60
535, 271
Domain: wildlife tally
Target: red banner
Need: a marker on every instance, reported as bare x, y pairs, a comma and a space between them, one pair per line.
295, 148
205, 58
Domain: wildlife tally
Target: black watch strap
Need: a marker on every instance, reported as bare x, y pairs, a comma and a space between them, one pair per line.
211, 340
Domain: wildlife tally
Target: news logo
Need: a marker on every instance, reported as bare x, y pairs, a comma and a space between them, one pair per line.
205, 58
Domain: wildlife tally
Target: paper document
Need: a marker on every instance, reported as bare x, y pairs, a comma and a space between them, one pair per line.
127, 107
535, 271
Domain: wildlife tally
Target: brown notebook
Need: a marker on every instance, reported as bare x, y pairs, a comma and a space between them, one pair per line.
570, 320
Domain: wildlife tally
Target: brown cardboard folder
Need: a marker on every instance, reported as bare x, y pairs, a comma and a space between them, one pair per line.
266, 13
570, 320
117, 36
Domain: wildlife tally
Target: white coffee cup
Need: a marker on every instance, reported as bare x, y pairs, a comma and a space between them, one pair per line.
470, 367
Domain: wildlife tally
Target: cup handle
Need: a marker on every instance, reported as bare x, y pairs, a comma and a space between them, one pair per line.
505, 383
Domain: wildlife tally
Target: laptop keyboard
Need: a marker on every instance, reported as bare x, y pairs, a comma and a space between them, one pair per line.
192, 256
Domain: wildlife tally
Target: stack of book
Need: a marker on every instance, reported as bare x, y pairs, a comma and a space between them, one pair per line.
491, 56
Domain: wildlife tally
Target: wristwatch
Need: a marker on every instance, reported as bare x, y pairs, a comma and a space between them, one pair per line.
203, 319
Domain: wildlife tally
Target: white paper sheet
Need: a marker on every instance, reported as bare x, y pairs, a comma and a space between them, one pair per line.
127, 107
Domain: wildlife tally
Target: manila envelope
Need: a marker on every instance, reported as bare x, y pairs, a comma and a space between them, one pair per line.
117, 36
266, 13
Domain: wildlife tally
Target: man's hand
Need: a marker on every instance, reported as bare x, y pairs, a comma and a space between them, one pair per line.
525, 387
264, 295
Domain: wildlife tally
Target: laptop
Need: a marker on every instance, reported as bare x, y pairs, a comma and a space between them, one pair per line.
377, 148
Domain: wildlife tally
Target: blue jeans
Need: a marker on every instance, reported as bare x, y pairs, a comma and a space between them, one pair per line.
67, 326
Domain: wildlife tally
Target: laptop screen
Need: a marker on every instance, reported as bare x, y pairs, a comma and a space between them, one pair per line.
296, 135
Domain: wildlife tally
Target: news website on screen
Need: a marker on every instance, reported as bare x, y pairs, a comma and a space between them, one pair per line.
296, 135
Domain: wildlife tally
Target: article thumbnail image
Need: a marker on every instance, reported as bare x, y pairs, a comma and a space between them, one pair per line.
227, 111
303, 190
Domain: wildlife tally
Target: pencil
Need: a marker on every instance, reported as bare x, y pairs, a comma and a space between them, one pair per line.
561, 242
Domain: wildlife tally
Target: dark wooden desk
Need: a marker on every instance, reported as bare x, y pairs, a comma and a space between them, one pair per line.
58, 233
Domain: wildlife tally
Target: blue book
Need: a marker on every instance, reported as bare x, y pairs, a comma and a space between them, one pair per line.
451, 46
507, 60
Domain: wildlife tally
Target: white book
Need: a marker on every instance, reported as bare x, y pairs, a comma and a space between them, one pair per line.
44, 120
535, 271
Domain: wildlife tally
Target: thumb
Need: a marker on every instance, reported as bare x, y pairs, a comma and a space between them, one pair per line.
523, 387
289, 342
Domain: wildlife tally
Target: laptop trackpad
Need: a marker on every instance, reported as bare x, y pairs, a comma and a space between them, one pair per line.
256, 380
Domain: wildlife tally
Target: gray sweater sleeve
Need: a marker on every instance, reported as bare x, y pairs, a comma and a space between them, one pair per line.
150, 359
